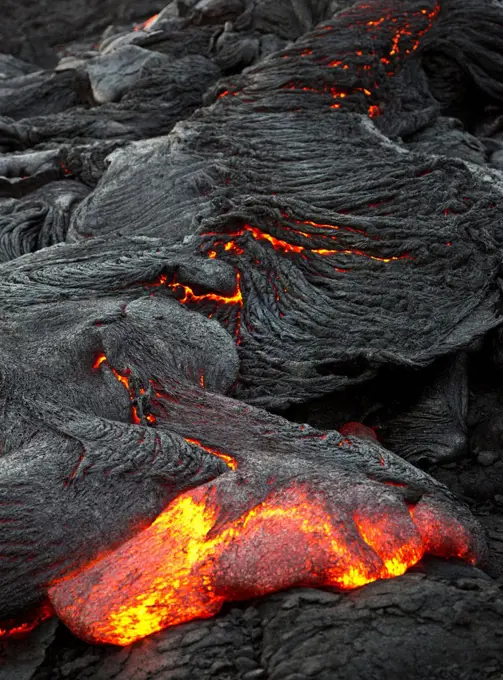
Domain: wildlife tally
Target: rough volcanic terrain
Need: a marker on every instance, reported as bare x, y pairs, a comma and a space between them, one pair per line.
251, 341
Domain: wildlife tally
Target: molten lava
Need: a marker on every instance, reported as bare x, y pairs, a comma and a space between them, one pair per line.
150, 418
189, 295
124, 380
287, 247
229, 460
146, 24
395, 35
187, 563
186, 296
205, 548
202, 550
17, 628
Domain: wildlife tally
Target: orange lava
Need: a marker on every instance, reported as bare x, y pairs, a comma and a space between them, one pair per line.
146, 24
188, 563
226, 93
361, 253
189, 296
150, 418
286, 247
195, 556
442, 536
185, 294
179, 568
236, 299
276, 243
336, 227
404, 38
232, 247
327, 89
229, 460
16, 628
396, 552
405, 31
99, 360
123, 378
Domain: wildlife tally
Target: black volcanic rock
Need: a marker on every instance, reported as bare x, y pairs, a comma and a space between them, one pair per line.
202, 278
445, 629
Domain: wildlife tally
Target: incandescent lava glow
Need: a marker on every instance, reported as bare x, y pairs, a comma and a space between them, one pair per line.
146, 24
231, 462
185, 294
399, 34
276, 243
189, 296
123, 378
283, 246
190, 560
151, 419
204, 548
226, 93
101, 358
15, 629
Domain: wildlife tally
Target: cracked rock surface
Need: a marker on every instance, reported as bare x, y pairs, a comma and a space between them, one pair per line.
226, 231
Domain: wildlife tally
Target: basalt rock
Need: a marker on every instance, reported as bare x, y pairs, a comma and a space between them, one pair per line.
202, 280
283, 483
39, 219
349, 636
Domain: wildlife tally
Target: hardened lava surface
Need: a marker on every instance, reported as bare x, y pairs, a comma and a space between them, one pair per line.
225, 231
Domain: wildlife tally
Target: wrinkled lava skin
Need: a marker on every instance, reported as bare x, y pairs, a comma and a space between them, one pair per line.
307, 508
199, 498
324, 244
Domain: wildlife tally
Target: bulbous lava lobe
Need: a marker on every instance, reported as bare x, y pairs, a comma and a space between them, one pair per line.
181, 568
77, 478
301, 507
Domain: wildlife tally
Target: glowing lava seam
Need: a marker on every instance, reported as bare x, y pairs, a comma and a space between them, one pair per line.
286, 247
384, 25
189, 296
150, 418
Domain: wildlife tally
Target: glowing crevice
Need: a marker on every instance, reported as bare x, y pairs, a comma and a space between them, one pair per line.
286, 247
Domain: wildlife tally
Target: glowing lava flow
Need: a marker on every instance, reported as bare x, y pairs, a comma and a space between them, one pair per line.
185, 295
182, 567
124, 380
15, 628
146, 24
226, 93
398, 30
189, 295
286, 247
150, 418
229, 460
202, 550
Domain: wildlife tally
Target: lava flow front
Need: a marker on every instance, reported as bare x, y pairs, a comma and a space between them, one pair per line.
189, 561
